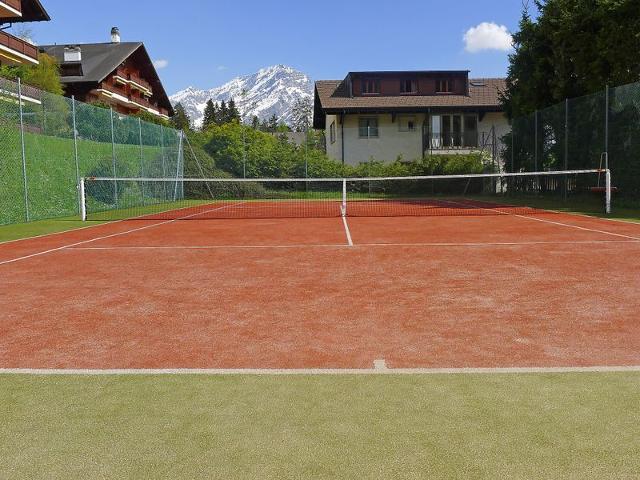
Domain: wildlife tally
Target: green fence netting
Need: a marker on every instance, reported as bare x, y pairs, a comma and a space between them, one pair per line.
65, 140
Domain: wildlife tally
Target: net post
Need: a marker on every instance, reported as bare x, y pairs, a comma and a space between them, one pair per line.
83, 203
607, 207
344, 197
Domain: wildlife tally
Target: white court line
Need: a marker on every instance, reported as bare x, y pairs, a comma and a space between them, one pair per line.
359, 245
527, 217
321, 371
101, 223
84, 242
347, 231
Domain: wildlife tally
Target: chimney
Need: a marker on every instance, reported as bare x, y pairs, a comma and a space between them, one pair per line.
72, 54
115, 35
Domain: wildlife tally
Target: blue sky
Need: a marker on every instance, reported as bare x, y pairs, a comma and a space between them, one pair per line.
205, 43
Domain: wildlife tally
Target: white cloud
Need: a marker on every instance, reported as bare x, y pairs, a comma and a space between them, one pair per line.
487, 36
222, 68
160, 64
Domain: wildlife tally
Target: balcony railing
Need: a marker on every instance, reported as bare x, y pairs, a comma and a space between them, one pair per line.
135, 81
452, 141
18, 45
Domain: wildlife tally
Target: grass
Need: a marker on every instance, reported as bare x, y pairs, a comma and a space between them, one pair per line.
591, 205
539, 426
42, 227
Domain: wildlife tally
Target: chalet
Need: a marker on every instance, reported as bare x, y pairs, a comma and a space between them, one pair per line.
386, 115
120, 74
13, 50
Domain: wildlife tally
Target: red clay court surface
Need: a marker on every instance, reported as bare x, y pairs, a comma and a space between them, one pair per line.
465, 291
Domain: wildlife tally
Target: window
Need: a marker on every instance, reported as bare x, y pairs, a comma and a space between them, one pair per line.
370, 86
453, 131
470, 131
408, 86
443, 86
332, 132
368, 127
407, 123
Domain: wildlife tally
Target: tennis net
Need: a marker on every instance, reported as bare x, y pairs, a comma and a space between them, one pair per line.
443, 195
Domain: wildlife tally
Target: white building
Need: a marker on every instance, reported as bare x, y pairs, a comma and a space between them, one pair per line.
390, 115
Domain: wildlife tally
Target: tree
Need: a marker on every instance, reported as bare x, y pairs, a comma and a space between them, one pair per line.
181, 120
272, 123
233, 114
45, 75
210, 114
302, 112
573, 48
223, 113
255, 122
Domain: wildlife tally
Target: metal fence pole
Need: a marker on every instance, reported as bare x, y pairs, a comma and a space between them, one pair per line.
513, 145
180, 152
141, 157
566, 146
24, 155
606, 129
535, 157
164, 164
113, 157
75, 148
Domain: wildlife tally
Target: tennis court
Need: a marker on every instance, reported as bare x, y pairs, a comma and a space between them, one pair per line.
412, 284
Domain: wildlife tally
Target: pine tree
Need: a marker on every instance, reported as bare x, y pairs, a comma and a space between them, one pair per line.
255, 122
233, 113
223, 114
180, 120
272, 124
210, 113
302, 112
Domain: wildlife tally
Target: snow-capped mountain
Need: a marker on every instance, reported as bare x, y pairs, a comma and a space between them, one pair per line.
271, 90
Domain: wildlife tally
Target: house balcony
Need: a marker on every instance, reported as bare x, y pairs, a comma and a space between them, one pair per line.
10, 8
452, 141
15, 51
135, 82
120, 96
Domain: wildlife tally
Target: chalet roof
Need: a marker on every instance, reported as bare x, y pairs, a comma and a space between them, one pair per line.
99, 60
32, 11
334, 97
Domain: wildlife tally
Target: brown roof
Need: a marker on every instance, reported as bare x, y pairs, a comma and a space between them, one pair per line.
333, 95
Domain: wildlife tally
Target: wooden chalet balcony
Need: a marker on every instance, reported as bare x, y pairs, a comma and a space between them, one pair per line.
134, 82
113, 89
17, 50
8, 8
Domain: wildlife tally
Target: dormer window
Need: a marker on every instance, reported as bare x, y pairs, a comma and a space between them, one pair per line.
408, 87
443, 86
370, 86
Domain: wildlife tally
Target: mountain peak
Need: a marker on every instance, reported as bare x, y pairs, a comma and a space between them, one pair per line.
271, 90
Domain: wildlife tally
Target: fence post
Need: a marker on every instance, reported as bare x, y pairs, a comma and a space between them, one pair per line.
141, 156
75, 146
566, 146
24, 155
113, 157
606, 129
164, 165
535, 157
180, 152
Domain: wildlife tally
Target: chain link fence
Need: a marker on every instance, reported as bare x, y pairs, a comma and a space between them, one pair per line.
48, 142
590, 132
